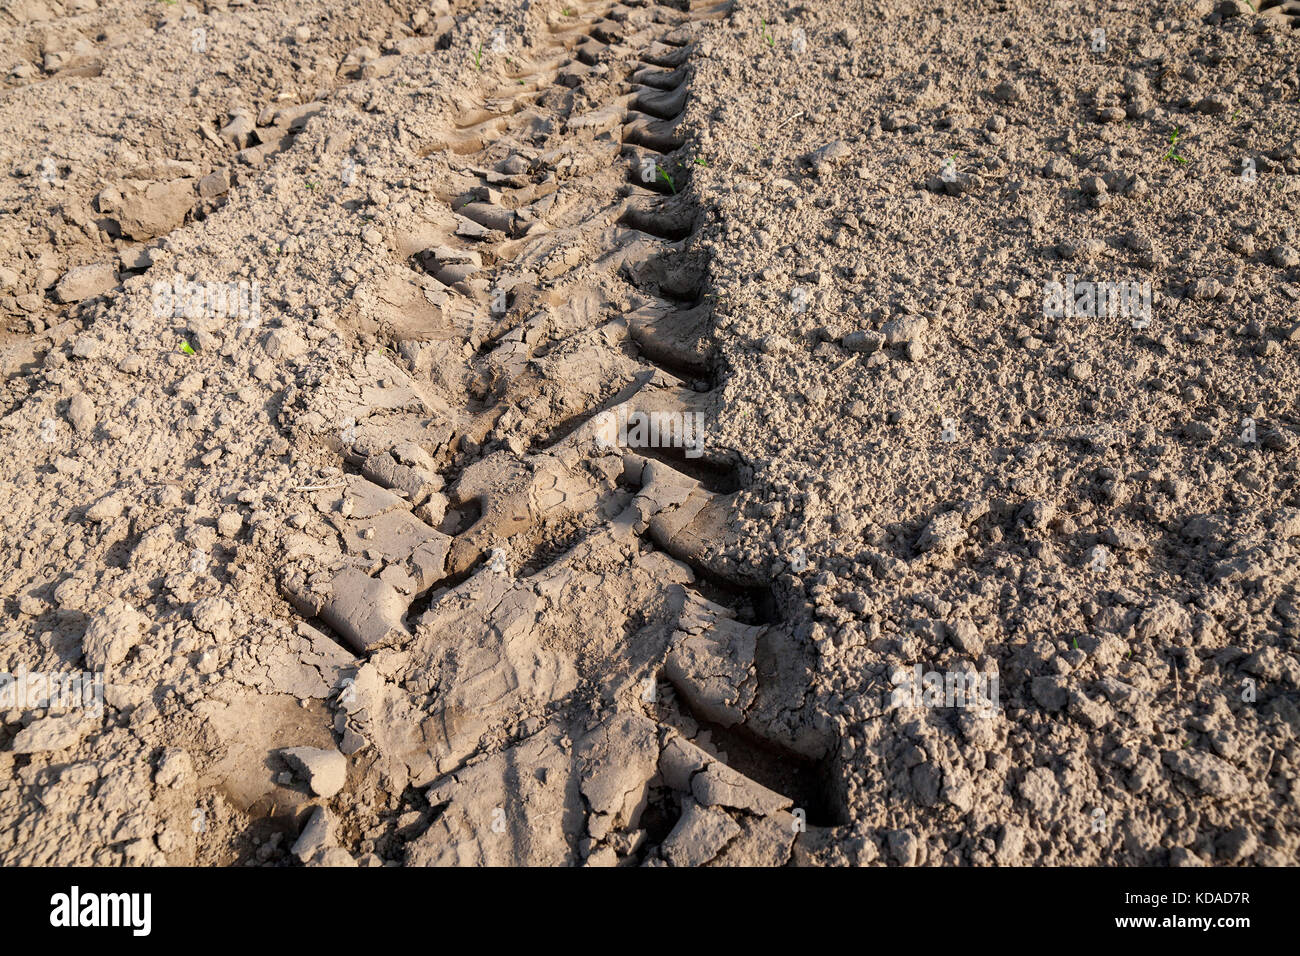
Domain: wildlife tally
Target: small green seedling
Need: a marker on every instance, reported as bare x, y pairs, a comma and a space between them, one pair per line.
1076, 643
663, 174
478, 57
186, 347
1173, 147
569, 12
310, 184
767, 36
701, 161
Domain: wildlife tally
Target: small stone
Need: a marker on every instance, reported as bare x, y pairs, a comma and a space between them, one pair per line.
1214, 104
190, 385
283, 344
111, 634
828, 156
155, 210
1058, 168
213, 615
326, 771
1236, 845
52, 734
1049, 692
135, 258
965, 636
905, 328
1038, 513
174, 769
864, 341
332, 856
904, 847
1212, 775
85, 282
1009, 91
316, 835
1284, 256
215, 183
1276, 440
106, 508
81, 414
86, 347
944, 532
238, 131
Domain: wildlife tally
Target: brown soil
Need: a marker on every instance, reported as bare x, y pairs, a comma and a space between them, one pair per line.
376, 552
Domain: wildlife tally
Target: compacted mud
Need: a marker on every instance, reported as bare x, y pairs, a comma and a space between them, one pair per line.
636, 433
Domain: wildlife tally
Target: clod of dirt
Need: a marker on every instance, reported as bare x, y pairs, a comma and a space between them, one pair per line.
325, 771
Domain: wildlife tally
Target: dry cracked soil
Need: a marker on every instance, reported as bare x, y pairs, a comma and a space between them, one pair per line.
649, 432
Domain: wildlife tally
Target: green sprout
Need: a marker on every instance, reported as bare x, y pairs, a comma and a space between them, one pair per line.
310, 184
1173, 147
478, 57
186, 347
663, 174
701, 161
767, 35
569, 12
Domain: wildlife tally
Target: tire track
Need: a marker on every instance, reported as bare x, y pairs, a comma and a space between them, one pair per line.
557, 227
